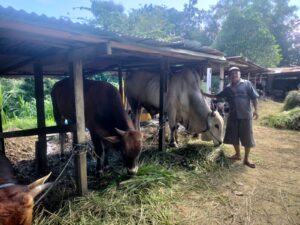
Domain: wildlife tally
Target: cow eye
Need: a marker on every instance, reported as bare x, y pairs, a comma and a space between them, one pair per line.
217, 126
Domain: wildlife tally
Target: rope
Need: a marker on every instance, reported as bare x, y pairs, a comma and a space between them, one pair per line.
76, 149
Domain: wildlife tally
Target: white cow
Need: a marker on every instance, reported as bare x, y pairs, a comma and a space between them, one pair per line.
184, 103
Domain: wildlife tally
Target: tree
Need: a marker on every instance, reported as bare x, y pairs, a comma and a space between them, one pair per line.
276, 15
246, 34
151, 21
108, 15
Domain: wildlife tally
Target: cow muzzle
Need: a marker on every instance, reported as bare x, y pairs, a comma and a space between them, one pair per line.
218, 143
133, 170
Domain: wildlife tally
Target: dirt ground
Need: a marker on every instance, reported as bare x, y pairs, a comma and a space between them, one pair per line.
269, 194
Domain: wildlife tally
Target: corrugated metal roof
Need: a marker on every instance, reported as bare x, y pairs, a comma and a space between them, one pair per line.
67, 25
279, 70
245, 65
28, 37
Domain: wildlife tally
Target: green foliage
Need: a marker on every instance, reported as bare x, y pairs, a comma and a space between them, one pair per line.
108, 15
107, 77
18, 106
258, 29
151, 21
276, 15
246, 34
292, 100
284, 120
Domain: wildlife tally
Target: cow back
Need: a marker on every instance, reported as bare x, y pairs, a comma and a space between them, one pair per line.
102, 102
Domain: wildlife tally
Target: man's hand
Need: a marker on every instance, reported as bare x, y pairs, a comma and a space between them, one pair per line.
255, 115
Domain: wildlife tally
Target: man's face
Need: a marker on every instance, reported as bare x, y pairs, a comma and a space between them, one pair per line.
235, 76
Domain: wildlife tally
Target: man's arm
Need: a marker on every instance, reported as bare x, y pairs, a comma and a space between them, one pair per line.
208, 95
255, 105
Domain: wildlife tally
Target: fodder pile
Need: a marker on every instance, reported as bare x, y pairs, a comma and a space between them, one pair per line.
146, 198
284, 120
292, 100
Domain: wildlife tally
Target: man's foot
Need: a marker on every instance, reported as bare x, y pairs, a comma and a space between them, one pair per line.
235, 157
251, 165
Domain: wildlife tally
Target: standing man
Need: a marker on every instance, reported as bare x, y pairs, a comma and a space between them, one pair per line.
239, 94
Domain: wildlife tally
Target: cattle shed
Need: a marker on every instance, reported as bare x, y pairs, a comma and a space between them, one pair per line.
37, 46
249, 70
279, 81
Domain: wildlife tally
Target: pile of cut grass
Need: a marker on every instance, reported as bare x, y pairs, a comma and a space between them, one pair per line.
284, 120
292, 100
146, 198
140, 199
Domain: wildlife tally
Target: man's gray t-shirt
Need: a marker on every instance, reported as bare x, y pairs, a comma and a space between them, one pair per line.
239, 98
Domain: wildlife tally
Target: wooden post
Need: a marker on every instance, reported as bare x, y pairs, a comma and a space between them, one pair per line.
2, 147
79, 135
221, 85
162, 98
120, 75
41, 145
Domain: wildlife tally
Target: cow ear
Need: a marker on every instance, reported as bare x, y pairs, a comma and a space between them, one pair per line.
113, 139
121, 132
39, 182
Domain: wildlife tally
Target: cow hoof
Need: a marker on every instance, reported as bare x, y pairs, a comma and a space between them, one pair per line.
173, 145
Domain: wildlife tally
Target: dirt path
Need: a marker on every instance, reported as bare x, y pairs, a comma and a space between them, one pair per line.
269, 194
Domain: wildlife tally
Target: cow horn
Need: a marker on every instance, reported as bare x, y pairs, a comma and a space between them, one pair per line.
38, 189
213, 113
121, 132
39, 182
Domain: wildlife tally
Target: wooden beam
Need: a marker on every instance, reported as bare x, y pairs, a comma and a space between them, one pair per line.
41, 146
162, 99
221, 85
79, 135
120, 75
169, 52
2, 146
36, 131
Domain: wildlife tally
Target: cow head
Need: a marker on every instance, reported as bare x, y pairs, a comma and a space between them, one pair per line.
16, 202
215, 128
131, 148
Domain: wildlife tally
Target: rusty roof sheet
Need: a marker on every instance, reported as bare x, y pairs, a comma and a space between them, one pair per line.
10, 13
279, 70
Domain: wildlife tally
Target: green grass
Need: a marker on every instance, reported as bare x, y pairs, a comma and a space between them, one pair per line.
163, 180
24, 123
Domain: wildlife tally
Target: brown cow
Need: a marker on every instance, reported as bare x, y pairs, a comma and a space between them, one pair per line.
16, 201
105, 118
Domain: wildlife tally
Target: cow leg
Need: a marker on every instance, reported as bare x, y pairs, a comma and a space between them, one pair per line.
59, 122
173, 128
100, 153
176, 133
174, 136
